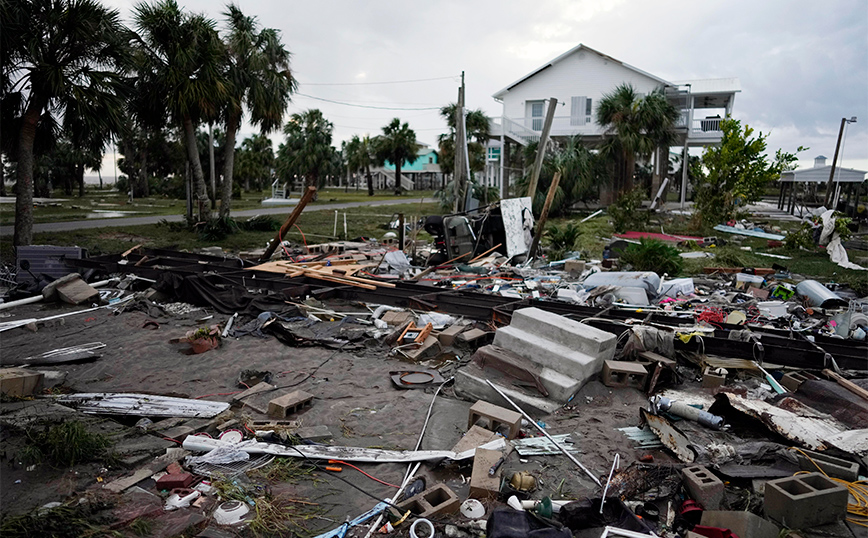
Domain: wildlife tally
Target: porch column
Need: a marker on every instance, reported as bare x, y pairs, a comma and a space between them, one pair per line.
504, 167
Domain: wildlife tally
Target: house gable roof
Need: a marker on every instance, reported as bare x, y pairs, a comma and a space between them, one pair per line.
501, 93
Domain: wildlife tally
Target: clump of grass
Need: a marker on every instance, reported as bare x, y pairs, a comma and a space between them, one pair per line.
653, 255
66, 521
142, 526
285, 470
260, 223
64, 444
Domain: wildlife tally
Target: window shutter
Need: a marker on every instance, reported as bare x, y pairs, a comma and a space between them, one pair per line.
577, 110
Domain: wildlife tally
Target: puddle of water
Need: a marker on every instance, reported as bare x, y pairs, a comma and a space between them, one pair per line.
106, 214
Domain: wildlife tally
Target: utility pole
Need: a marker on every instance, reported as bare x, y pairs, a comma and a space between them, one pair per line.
211, 160
458, 169
829, 185
541, 148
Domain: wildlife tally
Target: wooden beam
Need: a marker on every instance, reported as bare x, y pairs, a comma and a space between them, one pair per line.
290, 220
540, 225
847, 384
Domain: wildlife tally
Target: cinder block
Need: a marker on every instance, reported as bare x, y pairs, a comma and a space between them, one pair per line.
481, 485
474, 437
19, 382
804, 501
574, 267
623, 374
496, 416
315, 433
447, 336
711, 380
429, 348
792, 381
742, 524
288, 404
834, 467
438, 499
474, 336
703, 486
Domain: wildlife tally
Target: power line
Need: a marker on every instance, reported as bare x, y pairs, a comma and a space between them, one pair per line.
375, 83
365, 106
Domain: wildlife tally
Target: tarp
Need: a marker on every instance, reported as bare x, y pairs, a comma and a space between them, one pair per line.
201, 290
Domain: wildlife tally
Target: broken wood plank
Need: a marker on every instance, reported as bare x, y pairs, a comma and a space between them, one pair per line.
146, 405
847, 384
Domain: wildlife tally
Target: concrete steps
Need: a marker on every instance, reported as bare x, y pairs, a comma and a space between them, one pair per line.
564, 331
470, 384
563, 353
548, 354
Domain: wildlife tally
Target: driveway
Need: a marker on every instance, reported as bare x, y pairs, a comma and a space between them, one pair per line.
137, 221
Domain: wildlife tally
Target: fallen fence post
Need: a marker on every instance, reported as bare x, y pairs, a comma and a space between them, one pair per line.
542, 431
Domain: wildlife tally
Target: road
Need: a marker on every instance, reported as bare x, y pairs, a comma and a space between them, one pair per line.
138, 221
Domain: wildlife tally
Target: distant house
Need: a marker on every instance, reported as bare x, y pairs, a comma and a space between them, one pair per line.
847, 184
421, 174
579, 78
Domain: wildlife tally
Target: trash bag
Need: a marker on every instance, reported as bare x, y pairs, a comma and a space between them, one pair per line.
509, 523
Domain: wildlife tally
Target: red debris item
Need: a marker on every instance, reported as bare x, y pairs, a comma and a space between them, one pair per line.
151, 324
714, 532
174, 468
174, 481
646, 458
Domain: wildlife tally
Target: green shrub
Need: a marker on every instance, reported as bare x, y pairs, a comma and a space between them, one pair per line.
627, 212
562, 239
217, 228
64, 444
260, 223
653, 255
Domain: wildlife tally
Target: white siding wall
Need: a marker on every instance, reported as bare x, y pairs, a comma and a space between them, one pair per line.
581, 74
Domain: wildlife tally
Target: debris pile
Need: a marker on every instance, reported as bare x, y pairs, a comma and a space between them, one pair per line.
480, 395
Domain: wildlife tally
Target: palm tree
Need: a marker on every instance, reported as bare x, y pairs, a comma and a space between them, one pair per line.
180, 71
634, 126
58, 55
360, 156
259, 78
397, 145
307, 151
255, 161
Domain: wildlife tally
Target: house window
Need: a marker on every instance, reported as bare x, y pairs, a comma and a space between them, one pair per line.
588, 107
536, 115
430, 160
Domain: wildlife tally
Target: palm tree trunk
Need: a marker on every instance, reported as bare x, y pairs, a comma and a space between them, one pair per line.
370, 179
2, 180
144, 188
629, 169
228, 165
79, 177
24, 186
204, 207
397, 179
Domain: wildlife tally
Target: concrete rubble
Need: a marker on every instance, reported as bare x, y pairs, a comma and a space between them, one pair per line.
566, 397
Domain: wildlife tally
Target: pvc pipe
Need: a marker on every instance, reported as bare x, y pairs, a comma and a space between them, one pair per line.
37, 298
424, 522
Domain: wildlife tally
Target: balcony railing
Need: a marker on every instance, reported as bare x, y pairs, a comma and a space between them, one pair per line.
526, 130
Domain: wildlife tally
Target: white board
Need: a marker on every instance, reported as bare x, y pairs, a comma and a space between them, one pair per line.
518, 222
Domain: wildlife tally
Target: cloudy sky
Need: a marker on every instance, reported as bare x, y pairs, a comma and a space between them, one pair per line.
803, 64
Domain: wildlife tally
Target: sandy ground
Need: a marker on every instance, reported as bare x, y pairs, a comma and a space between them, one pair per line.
353, 397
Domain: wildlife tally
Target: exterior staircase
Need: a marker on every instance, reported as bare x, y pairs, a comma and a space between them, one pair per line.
563, 352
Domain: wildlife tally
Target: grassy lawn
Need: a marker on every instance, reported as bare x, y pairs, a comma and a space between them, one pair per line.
317, 227
96, 202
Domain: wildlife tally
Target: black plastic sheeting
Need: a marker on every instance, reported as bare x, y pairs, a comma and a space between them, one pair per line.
200, 290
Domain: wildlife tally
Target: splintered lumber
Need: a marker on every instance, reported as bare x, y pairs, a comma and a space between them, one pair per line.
290, 220
847, 384
487, 252
316, 274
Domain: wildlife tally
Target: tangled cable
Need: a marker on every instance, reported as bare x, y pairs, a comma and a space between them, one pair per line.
858, 490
